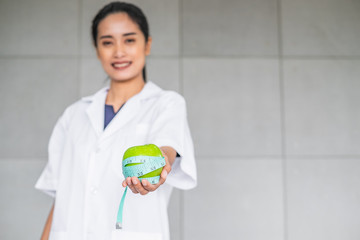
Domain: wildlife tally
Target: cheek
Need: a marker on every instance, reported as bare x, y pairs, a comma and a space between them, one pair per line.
103, 56
138, 50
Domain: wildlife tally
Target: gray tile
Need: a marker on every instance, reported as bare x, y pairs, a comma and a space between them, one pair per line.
321, 27
229, 27
321, 104
23, 209
39, 27
164, 72
92, 76
33, 94
235, 199
323, 199
175, 214
233, 106
163, 18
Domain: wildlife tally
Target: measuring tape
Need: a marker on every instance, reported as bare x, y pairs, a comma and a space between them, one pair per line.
144, 165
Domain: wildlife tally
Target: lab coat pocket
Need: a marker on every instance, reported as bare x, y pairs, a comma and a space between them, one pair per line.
124, 235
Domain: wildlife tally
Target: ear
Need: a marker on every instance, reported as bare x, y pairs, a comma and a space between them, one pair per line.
148, 46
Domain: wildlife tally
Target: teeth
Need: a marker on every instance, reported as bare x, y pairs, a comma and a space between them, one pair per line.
119, 65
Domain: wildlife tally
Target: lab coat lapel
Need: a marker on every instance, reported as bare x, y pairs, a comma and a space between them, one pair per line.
96, 110
126, 114
130, 110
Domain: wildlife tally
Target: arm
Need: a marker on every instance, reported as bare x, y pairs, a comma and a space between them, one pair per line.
47, 227
145, 187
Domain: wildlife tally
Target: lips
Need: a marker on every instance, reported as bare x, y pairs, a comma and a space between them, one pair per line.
121, 65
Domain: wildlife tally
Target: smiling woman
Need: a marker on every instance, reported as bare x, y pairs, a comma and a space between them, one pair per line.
135, 15
122, 47
84, 170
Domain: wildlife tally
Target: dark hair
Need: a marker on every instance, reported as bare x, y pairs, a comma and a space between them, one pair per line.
131, 10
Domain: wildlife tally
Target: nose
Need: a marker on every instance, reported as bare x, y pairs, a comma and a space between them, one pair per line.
119, 50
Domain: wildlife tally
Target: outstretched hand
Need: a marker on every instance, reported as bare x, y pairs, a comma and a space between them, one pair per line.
144, 187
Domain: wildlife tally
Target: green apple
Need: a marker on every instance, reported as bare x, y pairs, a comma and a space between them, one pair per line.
144, 150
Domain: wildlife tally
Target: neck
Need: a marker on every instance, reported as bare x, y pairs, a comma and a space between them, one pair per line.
120, 92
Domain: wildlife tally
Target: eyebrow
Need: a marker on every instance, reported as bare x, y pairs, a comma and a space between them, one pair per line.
128, 34
124, 35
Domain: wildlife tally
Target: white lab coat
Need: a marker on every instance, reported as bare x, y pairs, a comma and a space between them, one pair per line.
84, 172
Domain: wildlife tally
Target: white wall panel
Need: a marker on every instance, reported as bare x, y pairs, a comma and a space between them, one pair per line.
33, 94
322, 107
235, 199
323, 199
39, 27
24, 210
175, 212
229, 27
92, 76
164, 72
234, 106
321, 27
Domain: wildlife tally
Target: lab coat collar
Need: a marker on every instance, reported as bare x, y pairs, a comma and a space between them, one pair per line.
96, 109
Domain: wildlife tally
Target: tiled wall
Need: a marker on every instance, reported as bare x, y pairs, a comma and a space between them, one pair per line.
273, 92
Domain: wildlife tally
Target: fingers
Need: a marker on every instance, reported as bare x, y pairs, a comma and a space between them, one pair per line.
148, 186
135, 185
163, 176
144, 187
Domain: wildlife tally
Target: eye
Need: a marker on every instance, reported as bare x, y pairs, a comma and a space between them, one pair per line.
106, 43
130, 40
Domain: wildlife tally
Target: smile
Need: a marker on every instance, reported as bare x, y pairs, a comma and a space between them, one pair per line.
121, 65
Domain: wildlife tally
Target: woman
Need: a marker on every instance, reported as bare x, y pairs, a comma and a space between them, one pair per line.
84, 173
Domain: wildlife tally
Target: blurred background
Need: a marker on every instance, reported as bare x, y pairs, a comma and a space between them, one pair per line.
272, 89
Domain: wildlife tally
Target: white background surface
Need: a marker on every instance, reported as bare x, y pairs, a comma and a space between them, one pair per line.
273, 92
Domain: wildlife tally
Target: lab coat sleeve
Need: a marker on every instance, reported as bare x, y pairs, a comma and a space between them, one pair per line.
48, 179
171, 128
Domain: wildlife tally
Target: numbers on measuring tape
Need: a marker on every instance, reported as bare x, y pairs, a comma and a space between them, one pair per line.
145, 164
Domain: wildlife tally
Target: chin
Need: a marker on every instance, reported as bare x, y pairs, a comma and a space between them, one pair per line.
123, 79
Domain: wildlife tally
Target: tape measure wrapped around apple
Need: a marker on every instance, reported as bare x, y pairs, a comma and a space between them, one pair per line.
144, 162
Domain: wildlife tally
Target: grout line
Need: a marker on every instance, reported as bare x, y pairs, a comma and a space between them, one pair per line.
181, 48
244, 157
181, 90
282, 118
38, 56
230, 56
277, 157
320, 57
231, 158
220, 57
322, 157
25, 159
182, 212
79, 59
287, 57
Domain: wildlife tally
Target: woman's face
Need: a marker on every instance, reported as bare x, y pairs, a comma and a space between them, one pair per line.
121, 48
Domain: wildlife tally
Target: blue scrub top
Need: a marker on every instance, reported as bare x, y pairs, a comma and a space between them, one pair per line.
109, 114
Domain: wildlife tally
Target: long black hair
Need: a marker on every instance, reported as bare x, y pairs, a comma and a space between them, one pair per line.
131, 10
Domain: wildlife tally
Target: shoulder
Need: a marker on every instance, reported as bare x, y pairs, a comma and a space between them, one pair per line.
164, 97
79, 107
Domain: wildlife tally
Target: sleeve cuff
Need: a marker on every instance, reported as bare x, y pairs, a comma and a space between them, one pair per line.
47, 186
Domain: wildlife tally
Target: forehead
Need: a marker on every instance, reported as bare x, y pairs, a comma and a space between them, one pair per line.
117, 23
